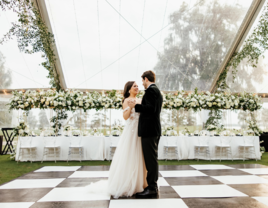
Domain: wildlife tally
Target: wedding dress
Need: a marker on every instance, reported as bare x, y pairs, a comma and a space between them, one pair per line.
128, 173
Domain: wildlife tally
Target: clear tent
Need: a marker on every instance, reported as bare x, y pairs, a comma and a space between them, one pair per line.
102, 44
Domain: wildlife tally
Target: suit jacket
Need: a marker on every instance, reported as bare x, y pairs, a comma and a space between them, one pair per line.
149, 109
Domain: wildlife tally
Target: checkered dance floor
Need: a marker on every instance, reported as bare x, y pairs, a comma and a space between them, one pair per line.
209, 186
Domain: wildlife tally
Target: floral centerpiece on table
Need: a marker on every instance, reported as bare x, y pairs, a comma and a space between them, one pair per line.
186, 131
169, 131
253, 127
212, 127
95, 132
21, 130
116, 129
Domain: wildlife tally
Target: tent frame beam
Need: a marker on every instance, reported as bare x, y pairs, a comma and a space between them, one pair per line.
240, 37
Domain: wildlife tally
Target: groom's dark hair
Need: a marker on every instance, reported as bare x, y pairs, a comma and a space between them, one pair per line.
150, 76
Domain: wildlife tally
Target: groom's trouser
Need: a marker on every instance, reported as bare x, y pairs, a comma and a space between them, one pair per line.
150, 153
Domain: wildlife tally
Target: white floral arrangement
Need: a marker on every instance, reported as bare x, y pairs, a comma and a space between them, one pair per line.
253, 127
262, 148
186, 131
212, 127
169, 131
75, 99
116, 129
68, 128
22, 129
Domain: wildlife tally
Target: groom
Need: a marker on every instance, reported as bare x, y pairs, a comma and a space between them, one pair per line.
150, 131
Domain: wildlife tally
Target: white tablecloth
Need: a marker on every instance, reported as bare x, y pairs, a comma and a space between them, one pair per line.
94, 147
98, 148
186, 146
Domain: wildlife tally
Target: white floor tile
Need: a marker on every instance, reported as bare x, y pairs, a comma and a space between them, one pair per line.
162, 182
90, 174
244, 179
58, 168
182, 173
263, 200
16, 204
145, 203
32, 183
256, 171
73, 194
210, 167
207, 191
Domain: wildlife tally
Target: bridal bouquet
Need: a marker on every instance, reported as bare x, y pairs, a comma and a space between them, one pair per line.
21, 130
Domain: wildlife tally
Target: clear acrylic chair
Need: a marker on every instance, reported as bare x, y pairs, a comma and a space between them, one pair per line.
248, 148
202, 147
224, 147
50, 146
171, 147
113, 144
26, 146
75, 148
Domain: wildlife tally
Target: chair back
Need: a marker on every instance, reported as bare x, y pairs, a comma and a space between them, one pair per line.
75, 141
171, 140
114, 141
50, 141
25, 141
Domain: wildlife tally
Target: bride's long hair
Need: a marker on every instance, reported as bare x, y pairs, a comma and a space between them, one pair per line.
127, 87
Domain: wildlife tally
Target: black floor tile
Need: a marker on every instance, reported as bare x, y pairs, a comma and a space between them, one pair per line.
47, 175
73, 204
252, 189
237, 202
241, 166
199, 180
23, 195
166, 192
78, 182
224, 172
94, 168
175, 167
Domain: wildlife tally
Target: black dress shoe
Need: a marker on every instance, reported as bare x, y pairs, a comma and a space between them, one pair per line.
147, 194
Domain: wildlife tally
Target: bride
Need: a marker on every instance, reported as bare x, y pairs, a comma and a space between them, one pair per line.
128, 173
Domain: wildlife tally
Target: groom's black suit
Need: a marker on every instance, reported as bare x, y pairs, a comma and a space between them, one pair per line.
150, 131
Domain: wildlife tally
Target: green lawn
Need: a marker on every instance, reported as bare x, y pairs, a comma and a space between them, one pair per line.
10, 169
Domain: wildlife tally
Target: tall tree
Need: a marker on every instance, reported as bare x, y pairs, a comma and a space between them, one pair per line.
43, 121
196, 46
5, 76
31, 120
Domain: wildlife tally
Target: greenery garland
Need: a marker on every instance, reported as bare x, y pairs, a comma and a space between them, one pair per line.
71, 100
32, 35
253, 48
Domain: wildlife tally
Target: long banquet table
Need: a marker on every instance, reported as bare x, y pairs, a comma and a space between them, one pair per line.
98, 148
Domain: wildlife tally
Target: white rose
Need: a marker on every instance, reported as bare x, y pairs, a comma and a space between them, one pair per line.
26, 104
69, 102
55, 103
21, 131
80, 103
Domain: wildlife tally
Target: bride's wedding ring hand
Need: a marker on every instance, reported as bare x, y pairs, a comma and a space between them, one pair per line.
131, 103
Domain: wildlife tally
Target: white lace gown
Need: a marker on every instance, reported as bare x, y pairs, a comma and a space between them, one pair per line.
127, 174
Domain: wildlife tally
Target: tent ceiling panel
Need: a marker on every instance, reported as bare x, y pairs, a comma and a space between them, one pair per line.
17, 69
